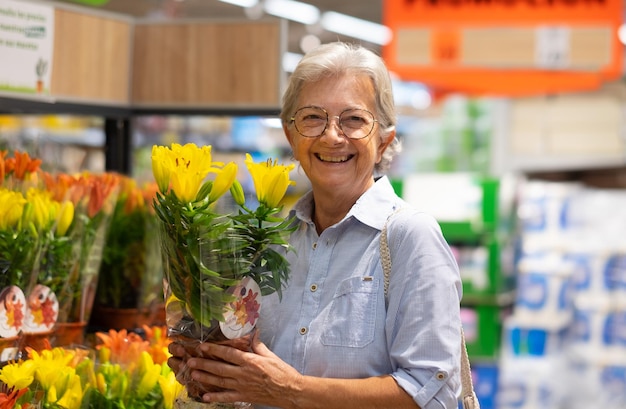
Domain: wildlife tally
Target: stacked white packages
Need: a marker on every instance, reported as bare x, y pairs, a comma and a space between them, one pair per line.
564, 346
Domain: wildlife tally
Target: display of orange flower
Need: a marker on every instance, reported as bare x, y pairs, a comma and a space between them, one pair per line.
21, 165
124, 346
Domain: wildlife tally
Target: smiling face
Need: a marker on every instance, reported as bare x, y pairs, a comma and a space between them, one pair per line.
333, 163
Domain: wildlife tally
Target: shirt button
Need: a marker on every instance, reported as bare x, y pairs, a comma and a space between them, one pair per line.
303, 330
314, 246
313, 287
441, 375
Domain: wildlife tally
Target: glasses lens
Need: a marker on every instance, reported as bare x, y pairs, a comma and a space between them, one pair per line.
310, 121
356, 123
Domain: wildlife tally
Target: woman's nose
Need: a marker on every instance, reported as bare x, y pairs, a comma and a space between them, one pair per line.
334, 124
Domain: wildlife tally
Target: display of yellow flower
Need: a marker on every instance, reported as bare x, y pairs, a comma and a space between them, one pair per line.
271, 180
183, 168
66, 378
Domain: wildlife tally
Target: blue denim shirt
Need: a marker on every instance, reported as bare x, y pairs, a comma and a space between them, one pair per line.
332, 320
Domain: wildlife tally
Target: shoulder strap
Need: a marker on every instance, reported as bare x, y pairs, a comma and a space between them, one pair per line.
469, 399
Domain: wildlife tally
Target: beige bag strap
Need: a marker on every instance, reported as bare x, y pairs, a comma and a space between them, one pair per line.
468, 396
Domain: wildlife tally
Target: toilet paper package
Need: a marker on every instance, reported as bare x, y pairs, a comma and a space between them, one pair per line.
598, 330
530, 383
544, 289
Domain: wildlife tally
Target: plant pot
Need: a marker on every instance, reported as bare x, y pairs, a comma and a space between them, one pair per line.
37, 340
127, 318
68, 333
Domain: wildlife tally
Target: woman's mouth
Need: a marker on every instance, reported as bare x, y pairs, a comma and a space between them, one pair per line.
333, 159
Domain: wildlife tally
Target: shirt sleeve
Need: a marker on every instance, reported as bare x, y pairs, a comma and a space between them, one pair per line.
423, 320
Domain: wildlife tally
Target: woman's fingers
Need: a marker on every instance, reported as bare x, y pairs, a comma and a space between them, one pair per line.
222, 352
174, 363
176, 349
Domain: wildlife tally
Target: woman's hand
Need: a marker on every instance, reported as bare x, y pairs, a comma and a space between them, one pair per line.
257, 377
261, 377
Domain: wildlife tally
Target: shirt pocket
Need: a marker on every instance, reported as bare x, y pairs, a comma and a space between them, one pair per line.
351, 318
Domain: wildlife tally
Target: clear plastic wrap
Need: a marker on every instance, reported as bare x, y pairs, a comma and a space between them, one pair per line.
219, 258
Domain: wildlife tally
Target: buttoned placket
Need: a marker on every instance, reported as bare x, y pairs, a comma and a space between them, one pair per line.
319, 263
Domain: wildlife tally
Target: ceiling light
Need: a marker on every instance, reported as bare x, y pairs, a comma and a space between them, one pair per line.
241, 3
293, 10
355, 27
621, 33
309, 42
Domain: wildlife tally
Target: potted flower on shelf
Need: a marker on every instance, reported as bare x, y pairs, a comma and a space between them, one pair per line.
31, 220
130, 285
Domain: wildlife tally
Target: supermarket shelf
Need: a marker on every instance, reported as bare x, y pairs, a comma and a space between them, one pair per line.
503, 299
11, 104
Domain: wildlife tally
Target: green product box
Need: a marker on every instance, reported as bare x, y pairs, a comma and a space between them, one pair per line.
483, 270
482, 326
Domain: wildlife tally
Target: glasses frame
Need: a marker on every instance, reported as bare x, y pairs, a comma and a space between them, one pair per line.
328, 118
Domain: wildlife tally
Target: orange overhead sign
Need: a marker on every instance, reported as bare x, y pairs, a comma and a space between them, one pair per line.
506, 47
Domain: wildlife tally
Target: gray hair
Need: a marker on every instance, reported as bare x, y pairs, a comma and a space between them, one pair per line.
339, 58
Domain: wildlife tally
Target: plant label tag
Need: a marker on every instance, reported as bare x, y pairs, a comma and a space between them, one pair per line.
242, 314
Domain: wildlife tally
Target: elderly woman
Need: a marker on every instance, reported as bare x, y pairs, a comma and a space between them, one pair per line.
339, 338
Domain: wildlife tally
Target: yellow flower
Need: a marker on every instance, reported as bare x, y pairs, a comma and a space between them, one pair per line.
101, 383
47, 364
11, 208
42, 210
271, 180
182, 167
18, 375
223, 181
65, 390
161, 157
170, 388
72, 394
149, 375
65, 218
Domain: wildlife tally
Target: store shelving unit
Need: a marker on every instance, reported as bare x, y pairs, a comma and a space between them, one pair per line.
481, 242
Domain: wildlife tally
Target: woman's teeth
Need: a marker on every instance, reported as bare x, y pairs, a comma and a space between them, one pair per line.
336, 159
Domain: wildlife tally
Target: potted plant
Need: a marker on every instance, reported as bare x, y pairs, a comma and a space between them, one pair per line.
130, 286
217, 263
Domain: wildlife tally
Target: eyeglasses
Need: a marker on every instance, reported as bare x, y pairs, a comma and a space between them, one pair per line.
312, 121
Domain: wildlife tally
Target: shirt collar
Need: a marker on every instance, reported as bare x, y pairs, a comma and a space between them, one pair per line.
371, 209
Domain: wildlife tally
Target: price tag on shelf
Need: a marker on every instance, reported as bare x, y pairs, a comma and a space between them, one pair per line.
552, 47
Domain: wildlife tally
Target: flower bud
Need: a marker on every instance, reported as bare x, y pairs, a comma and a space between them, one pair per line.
236, 191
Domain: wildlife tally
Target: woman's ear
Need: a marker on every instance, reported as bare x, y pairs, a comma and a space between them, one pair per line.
289, 137
385, 143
